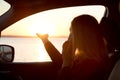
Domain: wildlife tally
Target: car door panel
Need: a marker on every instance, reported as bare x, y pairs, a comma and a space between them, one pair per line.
31, 71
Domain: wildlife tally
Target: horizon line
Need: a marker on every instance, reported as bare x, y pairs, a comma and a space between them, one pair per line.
32, 36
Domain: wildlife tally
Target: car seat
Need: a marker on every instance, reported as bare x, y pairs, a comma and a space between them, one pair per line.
111, 31
115, 74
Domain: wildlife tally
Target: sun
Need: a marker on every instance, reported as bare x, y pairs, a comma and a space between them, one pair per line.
42, 27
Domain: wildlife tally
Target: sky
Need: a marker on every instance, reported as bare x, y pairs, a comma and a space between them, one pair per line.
53, 22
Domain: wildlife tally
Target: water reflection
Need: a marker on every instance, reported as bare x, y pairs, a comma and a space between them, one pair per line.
31, 49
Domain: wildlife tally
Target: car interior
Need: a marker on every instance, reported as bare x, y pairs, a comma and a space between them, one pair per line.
20, 9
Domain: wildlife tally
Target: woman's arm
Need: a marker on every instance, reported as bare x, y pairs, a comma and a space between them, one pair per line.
54, 54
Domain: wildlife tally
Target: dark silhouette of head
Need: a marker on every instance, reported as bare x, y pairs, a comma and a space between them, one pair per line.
87, 37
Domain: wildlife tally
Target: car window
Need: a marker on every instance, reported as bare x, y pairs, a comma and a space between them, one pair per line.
4, 7
55, 22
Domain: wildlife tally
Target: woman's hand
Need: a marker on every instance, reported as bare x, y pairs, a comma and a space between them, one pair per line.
43, 37
67, 54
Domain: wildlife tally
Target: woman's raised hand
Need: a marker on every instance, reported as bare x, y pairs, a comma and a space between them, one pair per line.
43, 37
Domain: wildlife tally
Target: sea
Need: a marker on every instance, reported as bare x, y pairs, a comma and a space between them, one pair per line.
31, 49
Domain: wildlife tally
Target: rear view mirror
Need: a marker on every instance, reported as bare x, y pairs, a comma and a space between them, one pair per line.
6, 53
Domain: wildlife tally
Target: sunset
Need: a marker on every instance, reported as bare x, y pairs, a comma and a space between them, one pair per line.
54, 22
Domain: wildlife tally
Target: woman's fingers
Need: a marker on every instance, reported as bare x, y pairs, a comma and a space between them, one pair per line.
42, 36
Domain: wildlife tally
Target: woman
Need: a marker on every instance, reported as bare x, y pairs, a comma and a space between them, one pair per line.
84, 55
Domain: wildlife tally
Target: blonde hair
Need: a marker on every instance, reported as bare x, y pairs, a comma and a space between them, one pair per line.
87, 37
